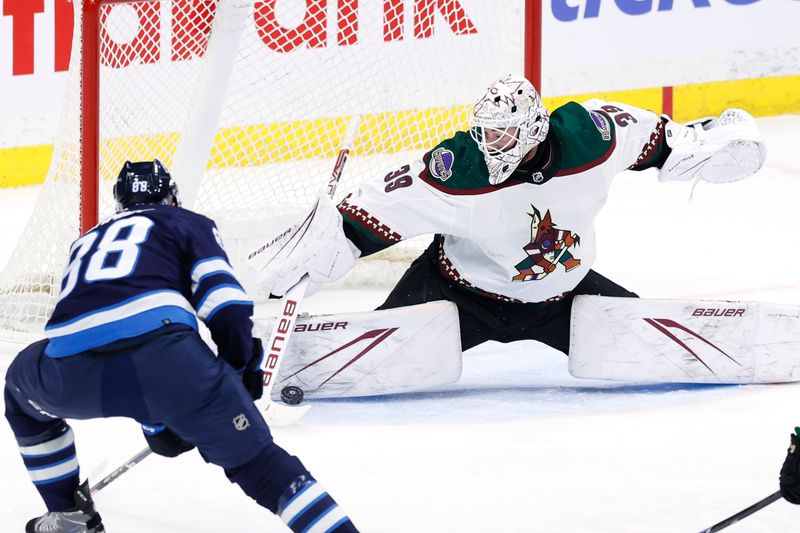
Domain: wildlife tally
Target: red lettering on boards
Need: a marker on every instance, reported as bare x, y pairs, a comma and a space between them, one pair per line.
191, 21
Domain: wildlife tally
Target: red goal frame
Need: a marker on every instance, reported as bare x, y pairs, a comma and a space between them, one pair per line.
90, 93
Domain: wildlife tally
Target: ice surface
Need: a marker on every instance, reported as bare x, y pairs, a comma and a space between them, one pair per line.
518, 445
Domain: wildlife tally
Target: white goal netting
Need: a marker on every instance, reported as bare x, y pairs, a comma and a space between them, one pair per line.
246, 102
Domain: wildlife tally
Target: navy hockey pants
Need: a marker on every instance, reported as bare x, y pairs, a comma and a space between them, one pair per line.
172, 378
169, 377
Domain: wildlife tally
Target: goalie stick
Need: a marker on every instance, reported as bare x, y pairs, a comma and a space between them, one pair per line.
277, 414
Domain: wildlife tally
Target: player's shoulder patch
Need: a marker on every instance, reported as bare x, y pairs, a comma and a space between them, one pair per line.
602, 123
456, 166
440, 163
586, 137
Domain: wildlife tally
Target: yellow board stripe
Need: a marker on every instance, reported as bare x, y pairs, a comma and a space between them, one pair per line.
26, 165
319, 138
760, 97
381, 133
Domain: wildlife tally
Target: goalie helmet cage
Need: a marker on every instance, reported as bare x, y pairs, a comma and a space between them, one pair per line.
246, 102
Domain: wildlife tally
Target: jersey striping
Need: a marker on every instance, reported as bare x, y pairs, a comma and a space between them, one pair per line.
142, 269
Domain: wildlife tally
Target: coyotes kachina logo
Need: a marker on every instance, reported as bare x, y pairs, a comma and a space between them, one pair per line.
549, 247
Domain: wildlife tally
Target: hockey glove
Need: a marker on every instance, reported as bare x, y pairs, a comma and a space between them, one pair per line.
719, 150
316, 246
790, 472
164, 441
252, 375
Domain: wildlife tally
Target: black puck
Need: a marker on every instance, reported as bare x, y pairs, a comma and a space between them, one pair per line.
292, 395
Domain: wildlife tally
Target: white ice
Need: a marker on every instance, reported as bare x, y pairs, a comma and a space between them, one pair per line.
518, 445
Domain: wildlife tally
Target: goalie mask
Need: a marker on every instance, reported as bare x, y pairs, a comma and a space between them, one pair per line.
507, 122
145, 182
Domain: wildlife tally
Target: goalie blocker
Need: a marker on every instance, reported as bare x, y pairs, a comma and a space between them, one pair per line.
684, 341
370, 353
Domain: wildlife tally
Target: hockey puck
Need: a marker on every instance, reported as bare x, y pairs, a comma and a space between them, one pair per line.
292, 395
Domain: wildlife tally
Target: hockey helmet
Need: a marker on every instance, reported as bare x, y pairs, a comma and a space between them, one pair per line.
507, 122
145, 182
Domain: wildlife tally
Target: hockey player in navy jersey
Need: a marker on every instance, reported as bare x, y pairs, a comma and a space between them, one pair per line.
123, 341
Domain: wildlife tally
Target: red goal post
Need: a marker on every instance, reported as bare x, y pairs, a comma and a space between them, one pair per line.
246, 101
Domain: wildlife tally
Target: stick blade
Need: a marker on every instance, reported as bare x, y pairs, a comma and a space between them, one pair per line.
278, 415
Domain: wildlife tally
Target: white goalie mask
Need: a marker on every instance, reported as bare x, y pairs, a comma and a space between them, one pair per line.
507, 122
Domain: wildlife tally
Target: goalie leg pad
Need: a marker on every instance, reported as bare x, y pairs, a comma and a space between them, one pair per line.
377, 352
684, 341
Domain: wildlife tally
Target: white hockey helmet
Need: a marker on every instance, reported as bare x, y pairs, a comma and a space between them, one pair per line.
507, 122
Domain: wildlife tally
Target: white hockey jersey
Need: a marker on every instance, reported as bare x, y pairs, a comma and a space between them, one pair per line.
529, 239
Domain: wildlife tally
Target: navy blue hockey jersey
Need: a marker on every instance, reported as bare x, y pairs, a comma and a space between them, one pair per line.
144, 268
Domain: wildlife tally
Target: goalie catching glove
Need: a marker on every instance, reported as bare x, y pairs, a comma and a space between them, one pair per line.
716, 150
316, 246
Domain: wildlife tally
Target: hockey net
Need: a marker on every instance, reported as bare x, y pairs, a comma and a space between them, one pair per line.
246, 102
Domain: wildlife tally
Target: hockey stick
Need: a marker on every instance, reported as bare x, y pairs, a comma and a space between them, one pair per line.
775, 496
130, 463
274, 413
